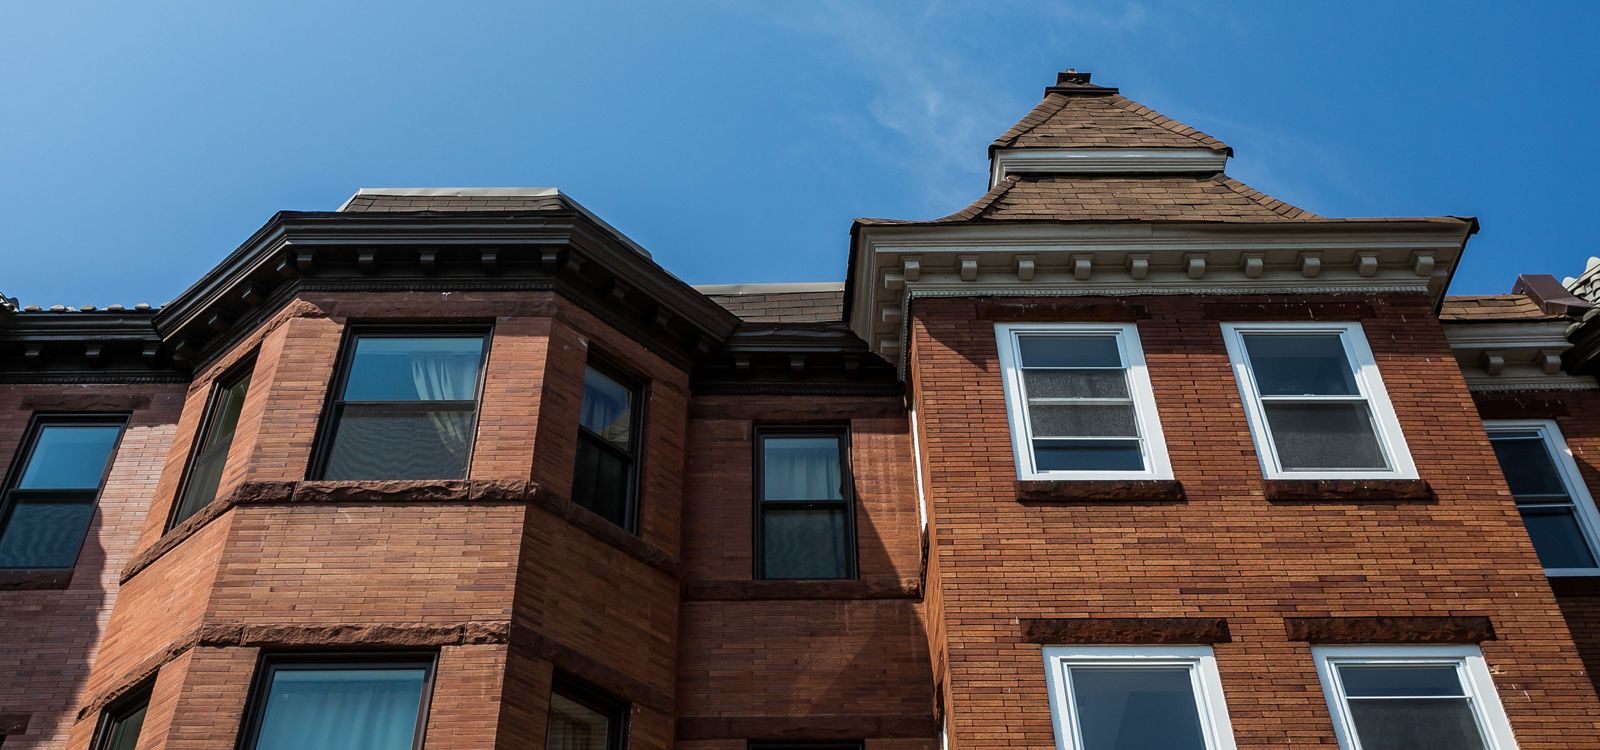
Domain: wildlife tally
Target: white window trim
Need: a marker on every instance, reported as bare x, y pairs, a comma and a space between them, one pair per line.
1199, 660
1567, 467
1390, 438
1144, 401
1469, 664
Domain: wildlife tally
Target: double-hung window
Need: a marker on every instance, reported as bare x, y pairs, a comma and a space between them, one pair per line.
405, 405
606, 478
1550, 494
326, 702
1136, 698
51, 494
1406, 697
1079, 402
1315, 402
805, 519
583, 719
121, 724
211, 448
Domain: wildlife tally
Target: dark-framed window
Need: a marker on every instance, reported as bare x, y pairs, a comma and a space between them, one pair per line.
805, 507
754, 745
404, 403
52, 489
210, 453
375, 701
582, 718
606, 479
121, 722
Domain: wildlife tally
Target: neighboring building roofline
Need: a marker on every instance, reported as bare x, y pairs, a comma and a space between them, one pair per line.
497, 192
816, 286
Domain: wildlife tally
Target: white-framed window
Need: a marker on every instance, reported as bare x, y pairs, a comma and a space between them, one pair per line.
1401, 697
1116, 697
1079, 402
1316, 404
1556, 508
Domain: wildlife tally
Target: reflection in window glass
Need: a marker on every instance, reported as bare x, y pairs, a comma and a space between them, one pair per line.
1317, 417
407, 409
123, 726
803, 506
338, 709
212, 449
1136, 708
1406, 707
45, 516
607, 448
580, 720
1549, 510
1081, 412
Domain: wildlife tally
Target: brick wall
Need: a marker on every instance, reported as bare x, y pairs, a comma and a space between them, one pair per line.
1225, 551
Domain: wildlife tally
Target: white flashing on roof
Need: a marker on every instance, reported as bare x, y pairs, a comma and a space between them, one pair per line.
819, 286
524, 192
1103, 161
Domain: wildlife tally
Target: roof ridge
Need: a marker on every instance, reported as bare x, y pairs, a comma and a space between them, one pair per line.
1167, 123
1035, 117
982, 204
1272, 204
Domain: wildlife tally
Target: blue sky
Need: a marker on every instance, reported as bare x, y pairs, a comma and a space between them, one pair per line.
142, 142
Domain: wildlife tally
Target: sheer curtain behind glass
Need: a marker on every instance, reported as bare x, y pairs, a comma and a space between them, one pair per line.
804, 529
407, 409
342, 709
1315, 412
1410, 708
573, 726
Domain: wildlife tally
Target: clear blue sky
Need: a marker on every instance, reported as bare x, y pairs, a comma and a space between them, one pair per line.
142, 142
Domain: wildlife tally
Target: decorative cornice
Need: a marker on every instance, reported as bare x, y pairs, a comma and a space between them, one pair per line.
794, 359
1009, 161
893, 264
1514, 355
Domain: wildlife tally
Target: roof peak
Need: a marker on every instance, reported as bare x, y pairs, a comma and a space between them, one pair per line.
1070, 81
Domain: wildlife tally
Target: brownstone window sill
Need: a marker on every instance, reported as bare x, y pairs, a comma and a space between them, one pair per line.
1100, 491
1175, 630
1389, 629
1348, 490
34, 580
719, 591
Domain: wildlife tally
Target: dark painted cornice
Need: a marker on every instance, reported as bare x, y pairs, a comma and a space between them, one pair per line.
794, 359
84, 347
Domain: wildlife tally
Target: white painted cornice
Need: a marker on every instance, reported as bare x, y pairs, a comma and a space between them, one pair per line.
1007, 161
894, 264
1513, 356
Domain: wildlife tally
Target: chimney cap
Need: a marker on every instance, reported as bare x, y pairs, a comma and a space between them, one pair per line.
1070, 81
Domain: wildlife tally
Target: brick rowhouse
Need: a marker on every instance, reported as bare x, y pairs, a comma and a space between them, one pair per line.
1124, 452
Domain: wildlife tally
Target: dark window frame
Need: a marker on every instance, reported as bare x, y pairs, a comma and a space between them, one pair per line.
333, 400
220, 385
268, 664
848, 490
117, 711
617, 711
785, 745
640, 388
25, 449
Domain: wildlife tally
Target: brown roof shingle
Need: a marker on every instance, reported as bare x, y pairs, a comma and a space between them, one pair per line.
1122, 198
785, 307
1099, 120
1483, 308
380, 203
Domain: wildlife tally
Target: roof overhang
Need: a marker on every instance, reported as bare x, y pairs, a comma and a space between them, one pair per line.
1514, 356
1009, 161
893, 264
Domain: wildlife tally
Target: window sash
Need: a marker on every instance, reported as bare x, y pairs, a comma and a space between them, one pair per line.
1577, 498
122, 723
613, 711
1146, 437
846, 540
209, 456
626, 516
1204, 679
1476, 685
1370, 393
271, 664
14, 497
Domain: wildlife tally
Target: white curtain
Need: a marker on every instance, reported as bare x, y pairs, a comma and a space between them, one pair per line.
369, 709
446, 377
802, 469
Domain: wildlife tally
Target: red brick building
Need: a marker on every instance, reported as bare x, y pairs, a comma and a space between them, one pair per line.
1123, 455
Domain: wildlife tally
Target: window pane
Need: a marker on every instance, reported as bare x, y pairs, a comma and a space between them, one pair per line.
44, 534
1401, 681
600, 482
1060, 420
1527, 466
229, 403
329, 709
69, 456
204, 477
1136, 709
801, 468
1423, 724
1069, 351
1557, 537
575, 727
1300, 365
1087, 455
607, 409
1075, 383
421, 369
1324, 436
125, 730
399, 441
804, 544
